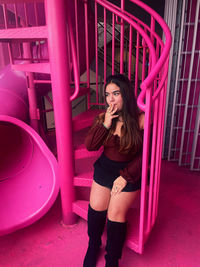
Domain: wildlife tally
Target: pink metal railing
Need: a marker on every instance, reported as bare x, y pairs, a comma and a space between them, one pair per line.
116, 12
23, 17
74, 58
155, 102
152, 77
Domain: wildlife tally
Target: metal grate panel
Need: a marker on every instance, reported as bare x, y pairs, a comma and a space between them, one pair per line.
182, 135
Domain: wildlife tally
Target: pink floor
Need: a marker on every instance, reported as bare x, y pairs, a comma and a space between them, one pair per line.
175, 239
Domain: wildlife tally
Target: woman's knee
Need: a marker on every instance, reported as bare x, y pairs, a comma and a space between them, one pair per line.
119, 206
99, 197
116, 214
98, 205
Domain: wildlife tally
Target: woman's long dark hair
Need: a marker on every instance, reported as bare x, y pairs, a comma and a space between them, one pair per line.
130, 132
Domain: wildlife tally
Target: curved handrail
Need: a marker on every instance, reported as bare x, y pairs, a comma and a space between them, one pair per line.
155, 95
74, 59
134, 24
166, 30
155, 66
165, 53
155, 35
166, 47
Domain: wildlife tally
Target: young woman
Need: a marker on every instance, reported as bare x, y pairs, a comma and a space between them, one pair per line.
117, 172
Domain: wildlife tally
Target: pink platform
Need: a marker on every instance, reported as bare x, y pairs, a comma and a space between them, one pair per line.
28, 171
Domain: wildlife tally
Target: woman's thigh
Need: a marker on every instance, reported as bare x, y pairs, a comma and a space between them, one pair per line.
99, 197
119, 205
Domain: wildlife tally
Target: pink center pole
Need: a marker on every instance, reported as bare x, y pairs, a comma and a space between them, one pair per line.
58, 47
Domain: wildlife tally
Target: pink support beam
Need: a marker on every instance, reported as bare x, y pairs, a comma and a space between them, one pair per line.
33, 109
152, 183
145, 163
55, 17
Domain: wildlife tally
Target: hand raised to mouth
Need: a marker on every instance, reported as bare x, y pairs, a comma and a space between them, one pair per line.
110, 115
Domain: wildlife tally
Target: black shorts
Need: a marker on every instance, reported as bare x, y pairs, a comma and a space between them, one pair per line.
107, 170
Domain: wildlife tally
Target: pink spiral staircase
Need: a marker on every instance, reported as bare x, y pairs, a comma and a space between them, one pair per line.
145, 62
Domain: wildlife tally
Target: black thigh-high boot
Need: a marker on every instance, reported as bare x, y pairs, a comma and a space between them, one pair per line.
116, 235
96, 223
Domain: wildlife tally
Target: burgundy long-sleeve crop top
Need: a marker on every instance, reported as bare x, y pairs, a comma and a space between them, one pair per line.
96, 138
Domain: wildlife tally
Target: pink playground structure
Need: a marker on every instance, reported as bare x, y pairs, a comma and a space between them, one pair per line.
73, 51
29, 172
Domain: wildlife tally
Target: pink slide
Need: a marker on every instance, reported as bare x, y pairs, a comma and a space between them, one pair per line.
29, 181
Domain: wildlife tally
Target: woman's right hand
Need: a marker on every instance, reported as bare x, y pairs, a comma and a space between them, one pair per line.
109, 115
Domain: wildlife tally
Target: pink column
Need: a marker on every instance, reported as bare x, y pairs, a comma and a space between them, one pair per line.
58, 51
32, 97
4, 56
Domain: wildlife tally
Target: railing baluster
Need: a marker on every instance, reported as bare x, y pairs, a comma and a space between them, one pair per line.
130, 52
26, 15
105, 45
122, 47
96, 51
6, 27
17, 25
137, 64
5, 16
113, 44
36, 14
16, 16
143, 59
87, 48
77, 38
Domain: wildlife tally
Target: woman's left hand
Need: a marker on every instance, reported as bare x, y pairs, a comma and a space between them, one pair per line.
118, 185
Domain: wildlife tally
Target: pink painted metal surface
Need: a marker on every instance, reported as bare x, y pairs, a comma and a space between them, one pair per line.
129, 20
74, 58
96, 52
31, 90
29, 175
13, 94
29, 172
23, 11
87, 58
105, 50
113, 43
130, 52
55, 17
87, 43
150, 70
151, 92
147, 69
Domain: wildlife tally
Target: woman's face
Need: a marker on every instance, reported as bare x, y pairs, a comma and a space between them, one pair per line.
113, 96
